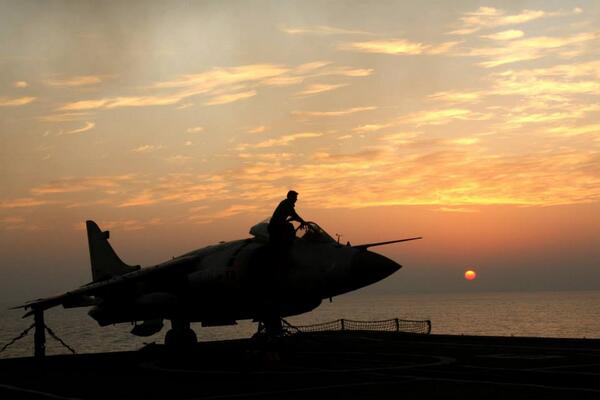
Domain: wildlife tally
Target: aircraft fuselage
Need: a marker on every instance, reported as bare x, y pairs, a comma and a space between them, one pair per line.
232, 281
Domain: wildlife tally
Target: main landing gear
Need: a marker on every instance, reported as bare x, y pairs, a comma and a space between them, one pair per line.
180, 335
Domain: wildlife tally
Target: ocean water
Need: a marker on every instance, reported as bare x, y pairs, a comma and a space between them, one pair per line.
543, 314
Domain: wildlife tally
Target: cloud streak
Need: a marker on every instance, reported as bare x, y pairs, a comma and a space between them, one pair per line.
318, 88
490, 17
75, 81
398, 47
321, 30
16, 102
87, 127
508, 52
337, 113
226, 85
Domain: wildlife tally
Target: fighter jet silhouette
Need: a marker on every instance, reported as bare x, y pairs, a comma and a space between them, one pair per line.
223, 283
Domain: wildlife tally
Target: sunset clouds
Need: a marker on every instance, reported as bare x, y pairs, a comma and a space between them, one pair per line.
485, 105
227, 85
490, 17
15, 102
398, 47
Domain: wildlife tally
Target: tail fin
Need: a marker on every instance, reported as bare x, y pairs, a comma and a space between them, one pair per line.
105, 262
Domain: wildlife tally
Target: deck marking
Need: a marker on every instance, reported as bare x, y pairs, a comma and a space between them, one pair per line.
542, 369
533, 385
304, 370
296, 390
39, 393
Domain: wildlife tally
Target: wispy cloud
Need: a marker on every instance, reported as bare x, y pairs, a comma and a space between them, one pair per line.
232, 210
225, 85
21, 84
143, 199
184, 106
88, 126
64, 117
178, 158
457, 209
23, 202
361, 156
319, 88
284, 140
258, 129
147, 148
490, 17
116, 102
443, 116
371, 127
456, 97
568, 131
569, 79
75, 81
126, 225
321, 30
15, 102
398, 47
12, 223
230, 98
505, 35
465, 141
195, 129
71, 185
507, 52
337, 113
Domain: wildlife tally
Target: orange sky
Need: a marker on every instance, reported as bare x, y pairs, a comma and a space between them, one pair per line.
474, 124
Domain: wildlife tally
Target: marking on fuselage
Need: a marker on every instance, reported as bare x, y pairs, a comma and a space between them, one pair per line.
231, 261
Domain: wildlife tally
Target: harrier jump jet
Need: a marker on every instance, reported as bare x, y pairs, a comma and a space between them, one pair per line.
222, 283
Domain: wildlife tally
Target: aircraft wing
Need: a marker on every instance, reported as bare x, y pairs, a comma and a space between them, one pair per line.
92, 293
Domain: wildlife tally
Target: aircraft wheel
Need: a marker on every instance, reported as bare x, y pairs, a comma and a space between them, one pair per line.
180, 338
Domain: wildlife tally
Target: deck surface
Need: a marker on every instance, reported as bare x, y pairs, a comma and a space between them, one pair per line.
336, 365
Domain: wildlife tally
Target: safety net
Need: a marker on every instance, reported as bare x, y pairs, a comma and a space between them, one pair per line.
388, 325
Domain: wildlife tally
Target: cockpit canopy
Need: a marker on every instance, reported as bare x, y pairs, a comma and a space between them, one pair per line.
311, 232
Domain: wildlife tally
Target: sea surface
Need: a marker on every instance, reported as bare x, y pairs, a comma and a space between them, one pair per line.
542, 314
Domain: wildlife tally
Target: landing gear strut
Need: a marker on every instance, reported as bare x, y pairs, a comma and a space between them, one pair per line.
273, 326
180, 335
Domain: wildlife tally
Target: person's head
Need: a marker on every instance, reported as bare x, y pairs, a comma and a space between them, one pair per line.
292, 195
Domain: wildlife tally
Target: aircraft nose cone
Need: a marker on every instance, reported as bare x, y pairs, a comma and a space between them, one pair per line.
371, 267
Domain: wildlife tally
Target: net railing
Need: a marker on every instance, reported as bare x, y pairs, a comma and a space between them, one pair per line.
387, 325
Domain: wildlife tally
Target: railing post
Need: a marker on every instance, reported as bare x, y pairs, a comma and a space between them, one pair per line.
342, 320
397, 324
39, 336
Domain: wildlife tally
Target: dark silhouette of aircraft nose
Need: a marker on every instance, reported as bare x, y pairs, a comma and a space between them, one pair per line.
371, 267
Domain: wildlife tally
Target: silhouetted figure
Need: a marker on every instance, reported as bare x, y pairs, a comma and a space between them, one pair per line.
281, 230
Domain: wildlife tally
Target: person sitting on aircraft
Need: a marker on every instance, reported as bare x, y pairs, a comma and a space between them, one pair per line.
281, 231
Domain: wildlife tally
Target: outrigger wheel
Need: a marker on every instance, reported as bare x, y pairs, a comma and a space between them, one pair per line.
180, 335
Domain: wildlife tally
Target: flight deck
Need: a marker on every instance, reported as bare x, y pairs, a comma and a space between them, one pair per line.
335, 365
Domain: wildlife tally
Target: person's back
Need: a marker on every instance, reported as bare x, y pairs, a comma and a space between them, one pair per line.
279, 225
282, 212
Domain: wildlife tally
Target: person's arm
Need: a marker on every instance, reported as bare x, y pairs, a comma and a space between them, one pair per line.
295, 217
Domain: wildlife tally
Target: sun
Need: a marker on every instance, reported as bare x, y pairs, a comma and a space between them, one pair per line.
470, 274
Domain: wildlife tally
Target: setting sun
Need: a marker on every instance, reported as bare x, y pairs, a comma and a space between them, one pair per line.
470, 275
